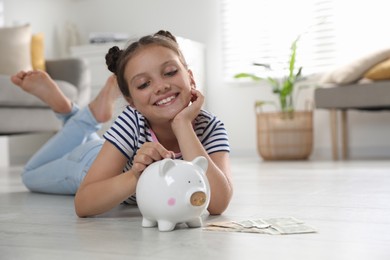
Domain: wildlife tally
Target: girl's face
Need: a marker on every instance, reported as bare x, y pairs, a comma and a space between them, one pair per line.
159, 84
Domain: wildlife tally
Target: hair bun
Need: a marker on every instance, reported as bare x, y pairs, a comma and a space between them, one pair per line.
166, 34
112, 57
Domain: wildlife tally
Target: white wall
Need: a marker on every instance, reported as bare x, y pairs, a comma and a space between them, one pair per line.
198, 20
44, 16
1, 13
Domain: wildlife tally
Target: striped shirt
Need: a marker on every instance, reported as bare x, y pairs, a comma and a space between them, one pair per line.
131, 130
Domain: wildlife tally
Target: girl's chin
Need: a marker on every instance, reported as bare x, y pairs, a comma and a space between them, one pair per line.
165, 115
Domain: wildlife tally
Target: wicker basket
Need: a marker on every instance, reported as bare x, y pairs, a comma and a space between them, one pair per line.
282, 136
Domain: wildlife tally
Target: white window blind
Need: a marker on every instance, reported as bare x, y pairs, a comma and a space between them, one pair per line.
261, 31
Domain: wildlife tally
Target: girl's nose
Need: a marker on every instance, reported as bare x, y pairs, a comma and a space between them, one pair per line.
162, 87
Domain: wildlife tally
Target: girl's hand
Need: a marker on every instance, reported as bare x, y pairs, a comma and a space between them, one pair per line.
147, 154
189, 113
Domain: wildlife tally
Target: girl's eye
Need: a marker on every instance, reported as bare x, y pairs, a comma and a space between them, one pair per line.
171, 73
144, 85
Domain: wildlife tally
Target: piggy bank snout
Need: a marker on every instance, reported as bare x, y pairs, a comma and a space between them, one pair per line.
198, 198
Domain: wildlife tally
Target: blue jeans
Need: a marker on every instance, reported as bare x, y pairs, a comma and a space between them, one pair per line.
62, 163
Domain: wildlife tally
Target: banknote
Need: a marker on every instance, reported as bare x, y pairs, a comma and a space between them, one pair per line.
271, 226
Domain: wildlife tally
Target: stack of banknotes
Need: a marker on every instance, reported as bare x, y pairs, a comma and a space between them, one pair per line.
271, 226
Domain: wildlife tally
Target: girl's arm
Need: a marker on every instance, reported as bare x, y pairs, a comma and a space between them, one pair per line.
105, 186
218, 171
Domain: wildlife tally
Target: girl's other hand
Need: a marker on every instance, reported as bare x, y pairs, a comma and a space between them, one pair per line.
189, 113
149, 153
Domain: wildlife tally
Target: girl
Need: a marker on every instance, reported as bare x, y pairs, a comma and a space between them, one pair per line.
164, 119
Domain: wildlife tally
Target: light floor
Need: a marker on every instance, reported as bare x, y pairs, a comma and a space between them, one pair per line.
348, 203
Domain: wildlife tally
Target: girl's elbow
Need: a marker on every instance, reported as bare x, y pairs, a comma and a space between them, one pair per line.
218, 209
79, 212
80, 209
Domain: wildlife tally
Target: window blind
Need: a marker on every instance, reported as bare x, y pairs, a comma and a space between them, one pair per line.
262, 31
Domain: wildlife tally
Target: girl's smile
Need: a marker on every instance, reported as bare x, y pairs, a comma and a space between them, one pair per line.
166, 101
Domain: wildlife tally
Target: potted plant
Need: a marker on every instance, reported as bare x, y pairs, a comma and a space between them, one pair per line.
286, 134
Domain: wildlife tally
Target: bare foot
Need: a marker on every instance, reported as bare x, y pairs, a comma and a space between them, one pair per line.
102, 107
41, 85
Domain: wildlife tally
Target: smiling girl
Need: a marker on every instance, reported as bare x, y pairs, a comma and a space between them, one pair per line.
164, 119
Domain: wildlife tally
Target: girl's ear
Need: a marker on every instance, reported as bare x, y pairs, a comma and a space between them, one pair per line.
192, 80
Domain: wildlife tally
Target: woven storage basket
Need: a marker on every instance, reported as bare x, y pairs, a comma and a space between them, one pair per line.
282, 136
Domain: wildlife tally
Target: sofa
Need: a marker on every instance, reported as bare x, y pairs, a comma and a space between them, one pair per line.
21, 112
363, 84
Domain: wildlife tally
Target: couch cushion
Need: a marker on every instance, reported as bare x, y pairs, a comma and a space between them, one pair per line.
13, 96
381, 71
38, 52
15, 49
352, 72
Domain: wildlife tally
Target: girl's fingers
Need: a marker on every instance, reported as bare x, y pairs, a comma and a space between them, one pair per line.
151, 152
138, 167
194, 95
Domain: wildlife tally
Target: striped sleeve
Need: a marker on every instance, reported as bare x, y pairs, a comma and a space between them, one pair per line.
125, 133
212, 133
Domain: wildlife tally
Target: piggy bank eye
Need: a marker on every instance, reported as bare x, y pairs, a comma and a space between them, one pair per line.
189, 181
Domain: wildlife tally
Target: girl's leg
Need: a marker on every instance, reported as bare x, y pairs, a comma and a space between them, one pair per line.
41, 85
65, 174
61, 164
80, 126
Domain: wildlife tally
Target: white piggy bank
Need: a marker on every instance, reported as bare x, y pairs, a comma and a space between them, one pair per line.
170, 192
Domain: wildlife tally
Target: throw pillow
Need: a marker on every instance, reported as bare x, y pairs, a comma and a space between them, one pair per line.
355, 70
38, 52
15, 49
381, 71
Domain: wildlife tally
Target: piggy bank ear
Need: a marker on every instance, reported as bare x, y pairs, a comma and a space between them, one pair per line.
166, 165
201, 162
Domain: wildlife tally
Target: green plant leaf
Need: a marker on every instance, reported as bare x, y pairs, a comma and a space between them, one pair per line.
248, 75
267, 66
293, 56
283, 88
288, 87
298, 75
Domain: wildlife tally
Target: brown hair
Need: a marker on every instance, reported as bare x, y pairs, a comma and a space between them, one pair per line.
117, 59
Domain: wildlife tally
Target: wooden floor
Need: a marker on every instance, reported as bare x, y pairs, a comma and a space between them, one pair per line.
347, 202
